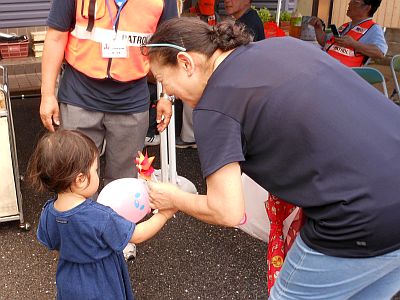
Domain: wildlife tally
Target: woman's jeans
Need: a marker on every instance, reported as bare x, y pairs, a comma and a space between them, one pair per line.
308, 274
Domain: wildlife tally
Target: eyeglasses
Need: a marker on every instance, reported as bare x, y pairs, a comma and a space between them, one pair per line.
144, 49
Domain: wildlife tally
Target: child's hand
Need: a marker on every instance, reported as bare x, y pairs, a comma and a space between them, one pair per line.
168, 213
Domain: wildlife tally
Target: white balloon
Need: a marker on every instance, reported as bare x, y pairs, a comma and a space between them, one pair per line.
126, 196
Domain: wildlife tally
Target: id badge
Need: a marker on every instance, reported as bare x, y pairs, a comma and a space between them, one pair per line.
114, 49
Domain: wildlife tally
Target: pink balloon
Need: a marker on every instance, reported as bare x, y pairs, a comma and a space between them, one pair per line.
128, 197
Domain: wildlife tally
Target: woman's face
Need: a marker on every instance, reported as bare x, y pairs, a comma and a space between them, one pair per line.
185, 80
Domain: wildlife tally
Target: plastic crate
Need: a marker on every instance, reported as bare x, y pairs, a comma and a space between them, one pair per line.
15, 49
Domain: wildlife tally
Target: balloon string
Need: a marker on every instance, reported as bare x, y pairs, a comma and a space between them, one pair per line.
153, 176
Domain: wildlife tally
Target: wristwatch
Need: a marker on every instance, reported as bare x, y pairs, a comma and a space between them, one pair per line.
165, 96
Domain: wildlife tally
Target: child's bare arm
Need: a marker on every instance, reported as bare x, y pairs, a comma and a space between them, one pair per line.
147, 229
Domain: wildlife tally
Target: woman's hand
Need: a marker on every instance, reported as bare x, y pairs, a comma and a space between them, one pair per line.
161, 195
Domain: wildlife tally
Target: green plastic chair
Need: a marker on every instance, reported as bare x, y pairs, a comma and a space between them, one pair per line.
373, 76
395, 68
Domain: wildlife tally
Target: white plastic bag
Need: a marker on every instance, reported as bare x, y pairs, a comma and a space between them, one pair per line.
256, 221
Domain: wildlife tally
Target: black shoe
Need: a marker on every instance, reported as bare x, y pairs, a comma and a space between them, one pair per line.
183, 145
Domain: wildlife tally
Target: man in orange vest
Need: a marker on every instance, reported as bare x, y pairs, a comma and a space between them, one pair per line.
205, 9
103, 91
359, 39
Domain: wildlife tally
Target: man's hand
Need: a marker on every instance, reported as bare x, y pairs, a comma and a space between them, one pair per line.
369, 50
49, 112
316, 22
319, 30
164, 113
346, 41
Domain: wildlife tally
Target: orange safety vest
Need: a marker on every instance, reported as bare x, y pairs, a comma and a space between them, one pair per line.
94, 31
205, 8
347, 55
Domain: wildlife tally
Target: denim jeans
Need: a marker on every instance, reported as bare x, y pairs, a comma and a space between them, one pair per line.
308, 274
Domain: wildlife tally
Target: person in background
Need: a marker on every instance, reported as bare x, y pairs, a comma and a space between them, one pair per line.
152, 137
103, 91
306, 138
88, 236
242, 12
205, 10
359, 39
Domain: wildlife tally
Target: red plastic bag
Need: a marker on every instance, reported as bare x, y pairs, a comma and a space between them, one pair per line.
271, 29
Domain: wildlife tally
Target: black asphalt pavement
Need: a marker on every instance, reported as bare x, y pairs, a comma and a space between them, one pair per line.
186, 260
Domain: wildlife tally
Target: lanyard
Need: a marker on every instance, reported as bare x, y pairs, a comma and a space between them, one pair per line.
120, 4
351, 26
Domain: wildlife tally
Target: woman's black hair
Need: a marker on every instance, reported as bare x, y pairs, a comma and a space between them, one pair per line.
196, 35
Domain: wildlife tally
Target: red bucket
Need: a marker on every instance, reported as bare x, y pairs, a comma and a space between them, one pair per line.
271, 29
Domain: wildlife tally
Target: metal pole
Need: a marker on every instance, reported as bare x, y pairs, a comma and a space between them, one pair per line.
163, 146
168, 155
278, 11
171, 149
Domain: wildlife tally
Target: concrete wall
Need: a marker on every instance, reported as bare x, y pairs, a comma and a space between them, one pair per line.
392, 36
305, 7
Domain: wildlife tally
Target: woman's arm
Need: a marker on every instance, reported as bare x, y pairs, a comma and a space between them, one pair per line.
223, 204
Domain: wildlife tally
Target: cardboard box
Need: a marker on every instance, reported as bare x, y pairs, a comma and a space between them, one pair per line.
38, 36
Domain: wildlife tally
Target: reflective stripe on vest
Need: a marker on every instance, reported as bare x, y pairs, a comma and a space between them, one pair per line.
100, 35
137, 22
347, 55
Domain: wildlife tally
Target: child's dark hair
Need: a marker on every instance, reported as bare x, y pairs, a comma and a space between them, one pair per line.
59, 158
197, 36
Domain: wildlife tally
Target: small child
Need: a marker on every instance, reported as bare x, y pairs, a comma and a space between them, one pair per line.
89, 236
